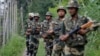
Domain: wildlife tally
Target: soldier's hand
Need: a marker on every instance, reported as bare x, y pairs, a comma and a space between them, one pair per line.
38, 28
44, 35
50, 31
29, 30
27, 33
64, 37
82, 31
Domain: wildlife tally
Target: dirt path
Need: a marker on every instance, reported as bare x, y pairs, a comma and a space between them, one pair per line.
24, 53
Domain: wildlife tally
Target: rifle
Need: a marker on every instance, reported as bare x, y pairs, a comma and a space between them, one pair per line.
95, 26
84, 26
92, 25
71, 32
88, 25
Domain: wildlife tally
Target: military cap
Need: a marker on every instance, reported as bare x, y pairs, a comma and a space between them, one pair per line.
36, 15
48, 13
73, 3
61, 8
31, 14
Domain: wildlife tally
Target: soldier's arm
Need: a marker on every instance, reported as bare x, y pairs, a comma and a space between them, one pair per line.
27, 33
26, 26
51, 27
85, 31
66, 36
42, 26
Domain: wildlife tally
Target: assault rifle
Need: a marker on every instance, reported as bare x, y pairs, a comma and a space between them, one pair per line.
92, 25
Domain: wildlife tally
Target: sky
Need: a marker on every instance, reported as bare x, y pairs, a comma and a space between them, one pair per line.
2, 6
1, 0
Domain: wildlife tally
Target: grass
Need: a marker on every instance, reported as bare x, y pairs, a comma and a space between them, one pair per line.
41, 50
15, 46
93, 46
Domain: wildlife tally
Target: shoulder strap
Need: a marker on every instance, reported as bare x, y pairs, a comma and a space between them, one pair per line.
63, 28
65, 24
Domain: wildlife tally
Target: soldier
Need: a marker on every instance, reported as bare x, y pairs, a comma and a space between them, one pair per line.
35, 35
48, 40
28, 31
76, 43
57, 50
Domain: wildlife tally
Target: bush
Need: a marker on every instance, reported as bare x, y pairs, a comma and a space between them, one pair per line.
14, 48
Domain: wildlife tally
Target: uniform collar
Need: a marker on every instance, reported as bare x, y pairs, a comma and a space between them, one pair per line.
78, 17
49, 20
62, 19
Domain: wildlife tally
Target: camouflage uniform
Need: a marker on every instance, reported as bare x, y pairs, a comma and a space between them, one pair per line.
48, 41
29, 23
58, 49
75, 44
34, 39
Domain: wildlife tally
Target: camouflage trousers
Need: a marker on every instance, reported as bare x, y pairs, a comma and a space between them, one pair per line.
48, 46
34, 43
58, 48
27, 42
73, 51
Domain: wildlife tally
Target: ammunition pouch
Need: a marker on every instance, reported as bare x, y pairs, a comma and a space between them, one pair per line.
78, 41
35, 32
59, 43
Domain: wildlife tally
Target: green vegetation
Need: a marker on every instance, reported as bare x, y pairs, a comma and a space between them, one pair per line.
35, 6
15, 47
93, 46
41, 50
92, 9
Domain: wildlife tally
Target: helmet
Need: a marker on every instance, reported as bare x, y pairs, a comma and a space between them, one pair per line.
73, 3
61, 8
48, 13
36, 14
31, 14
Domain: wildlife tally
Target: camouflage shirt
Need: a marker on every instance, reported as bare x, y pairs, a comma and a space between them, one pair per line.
34, 26
58, 24
29, 23
46, 25
75, 39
